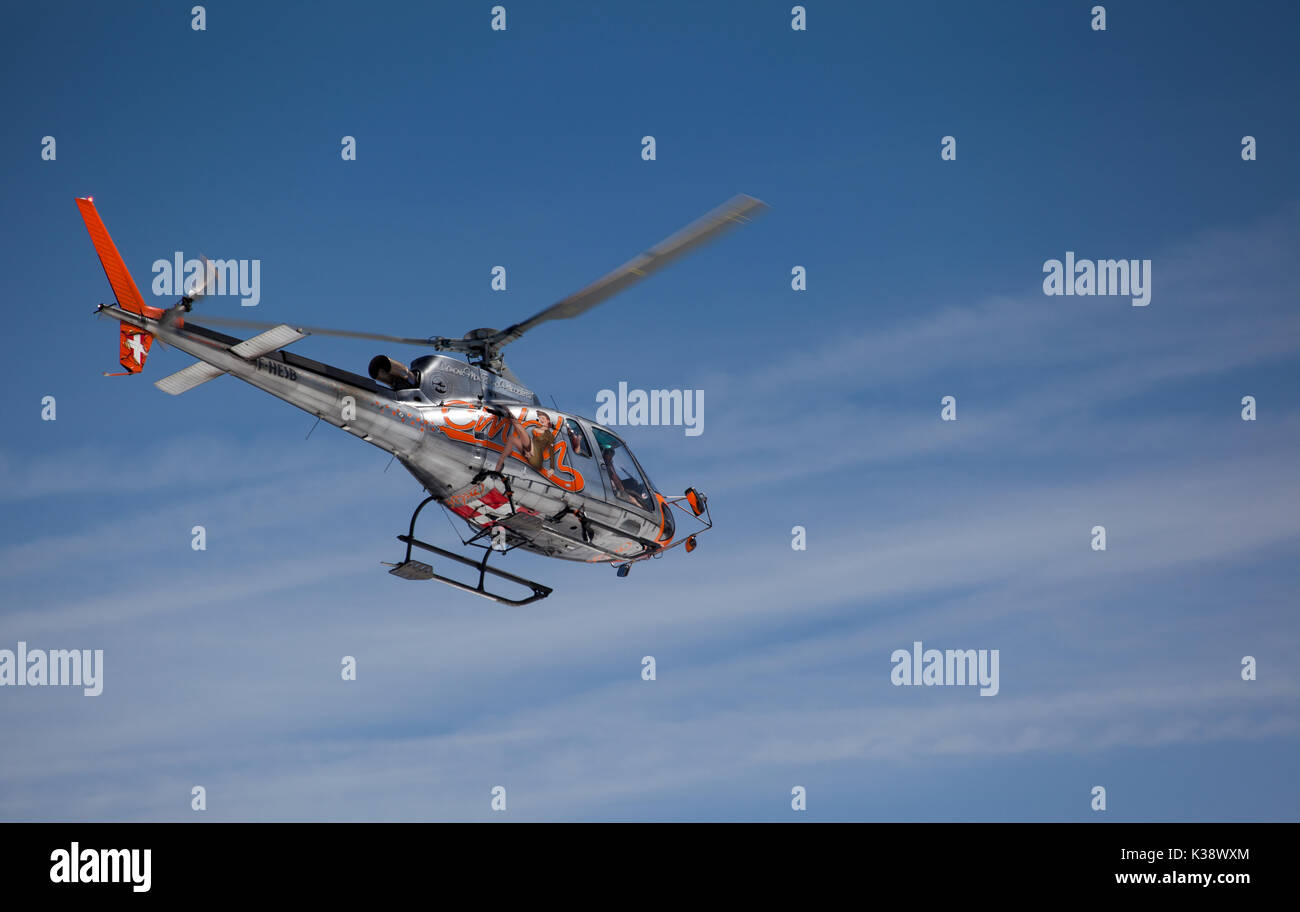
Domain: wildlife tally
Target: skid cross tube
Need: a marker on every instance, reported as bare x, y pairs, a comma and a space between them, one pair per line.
410, 534
539, 591
425, 572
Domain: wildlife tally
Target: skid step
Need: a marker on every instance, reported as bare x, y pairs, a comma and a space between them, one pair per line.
417, 570
413, 570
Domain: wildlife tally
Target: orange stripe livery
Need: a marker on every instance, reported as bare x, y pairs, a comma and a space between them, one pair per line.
133, 343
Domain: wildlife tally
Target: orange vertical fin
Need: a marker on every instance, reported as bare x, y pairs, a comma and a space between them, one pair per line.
133, 343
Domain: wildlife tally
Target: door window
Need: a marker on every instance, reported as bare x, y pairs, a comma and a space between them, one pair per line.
624, 476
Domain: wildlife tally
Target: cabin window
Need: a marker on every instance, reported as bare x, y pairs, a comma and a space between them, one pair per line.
578, 444
624, 475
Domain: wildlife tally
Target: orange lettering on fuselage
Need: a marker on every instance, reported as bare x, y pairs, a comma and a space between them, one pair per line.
491, 427
488, 430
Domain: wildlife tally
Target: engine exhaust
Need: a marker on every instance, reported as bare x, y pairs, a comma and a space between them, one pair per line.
393, 374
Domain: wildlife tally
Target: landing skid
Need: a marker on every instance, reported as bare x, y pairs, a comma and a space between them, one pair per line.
418, 570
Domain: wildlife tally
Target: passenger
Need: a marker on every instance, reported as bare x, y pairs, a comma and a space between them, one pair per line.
576, 445
607, 454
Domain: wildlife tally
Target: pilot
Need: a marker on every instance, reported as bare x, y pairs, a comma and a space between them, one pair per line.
607, 454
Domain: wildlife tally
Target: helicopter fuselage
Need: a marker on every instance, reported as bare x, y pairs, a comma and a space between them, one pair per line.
449, 428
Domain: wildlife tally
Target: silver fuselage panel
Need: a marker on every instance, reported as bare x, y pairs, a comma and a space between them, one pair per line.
443, 432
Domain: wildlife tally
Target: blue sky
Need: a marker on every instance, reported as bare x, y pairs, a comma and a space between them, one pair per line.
522, 148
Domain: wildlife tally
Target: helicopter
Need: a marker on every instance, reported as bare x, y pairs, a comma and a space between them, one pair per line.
480, 442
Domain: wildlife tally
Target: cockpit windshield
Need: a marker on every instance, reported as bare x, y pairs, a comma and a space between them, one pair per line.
625, 476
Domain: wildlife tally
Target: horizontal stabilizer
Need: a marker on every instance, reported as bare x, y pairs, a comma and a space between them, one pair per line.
269, 341
185, 380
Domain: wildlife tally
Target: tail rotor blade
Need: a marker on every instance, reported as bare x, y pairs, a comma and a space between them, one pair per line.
202, 283
199, 287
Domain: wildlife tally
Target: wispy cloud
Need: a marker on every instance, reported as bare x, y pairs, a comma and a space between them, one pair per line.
222, 668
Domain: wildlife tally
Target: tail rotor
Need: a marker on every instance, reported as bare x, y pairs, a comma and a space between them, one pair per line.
199, 287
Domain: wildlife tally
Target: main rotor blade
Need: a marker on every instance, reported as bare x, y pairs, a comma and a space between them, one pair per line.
313, 330
738, 210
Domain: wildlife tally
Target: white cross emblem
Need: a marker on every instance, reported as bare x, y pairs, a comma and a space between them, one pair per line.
137, 348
